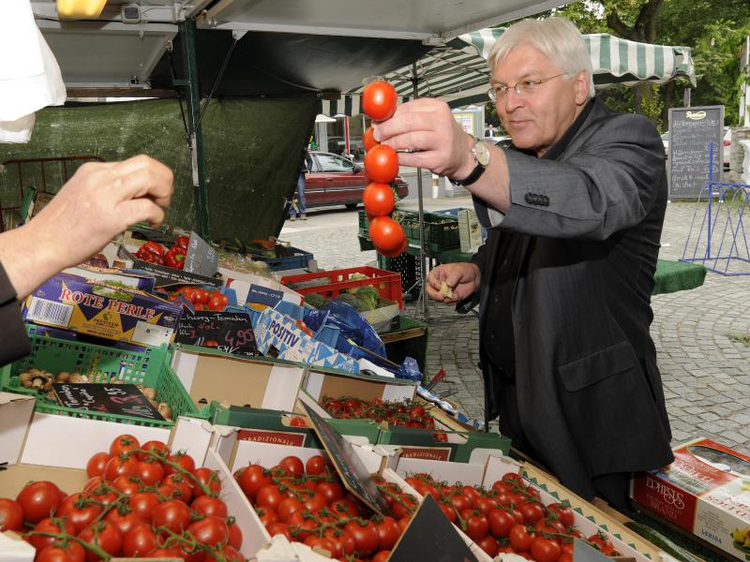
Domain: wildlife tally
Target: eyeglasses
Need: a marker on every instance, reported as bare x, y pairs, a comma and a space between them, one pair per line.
523, 87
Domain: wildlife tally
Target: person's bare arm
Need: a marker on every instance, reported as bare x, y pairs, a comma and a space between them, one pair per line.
100, 201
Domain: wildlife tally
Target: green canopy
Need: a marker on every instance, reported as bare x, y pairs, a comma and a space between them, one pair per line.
457, 72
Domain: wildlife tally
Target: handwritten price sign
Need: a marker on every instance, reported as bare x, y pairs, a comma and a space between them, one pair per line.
230, 332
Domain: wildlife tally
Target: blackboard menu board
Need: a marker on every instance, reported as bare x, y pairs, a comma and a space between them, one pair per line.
120, 399
229, 331
691, 130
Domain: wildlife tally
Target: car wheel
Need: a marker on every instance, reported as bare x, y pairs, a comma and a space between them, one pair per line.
351, 205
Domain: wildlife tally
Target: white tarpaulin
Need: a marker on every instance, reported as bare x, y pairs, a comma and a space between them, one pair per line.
30, 78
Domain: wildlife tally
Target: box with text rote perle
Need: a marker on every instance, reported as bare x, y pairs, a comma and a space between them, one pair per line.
706, 491
104, 309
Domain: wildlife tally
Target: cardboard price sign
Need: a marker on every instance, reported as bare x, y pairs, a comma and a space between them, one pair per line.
119, 399
355, 476
230, 332
430, 536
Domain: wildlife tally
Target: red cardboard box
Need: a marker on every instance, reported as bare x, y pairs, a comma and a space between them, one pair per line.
706, 491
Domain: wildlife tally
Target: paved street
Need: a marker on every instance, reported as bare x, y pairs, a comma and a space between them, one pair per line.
704, 365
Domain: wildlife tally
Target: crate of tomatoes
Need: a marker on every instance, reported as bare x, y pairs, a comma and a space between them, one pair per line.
134, 499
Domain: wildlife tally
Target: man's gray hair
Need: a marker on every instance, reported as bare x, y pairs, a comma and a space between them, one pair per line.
556, 38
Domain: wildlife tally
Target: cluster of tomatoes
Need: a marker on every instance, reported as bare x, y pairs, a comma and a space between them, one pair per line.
140, 501
306, 502
403, 413
202, 299
379, 101
153, 252
510, 518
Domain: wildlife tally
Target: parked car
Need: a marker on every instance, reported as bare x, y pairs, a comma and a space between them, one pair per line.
337, 145
503, 142
335, 180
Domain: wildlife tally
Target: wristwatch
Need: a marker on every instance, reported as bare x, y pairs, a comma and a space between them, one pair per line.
482, 155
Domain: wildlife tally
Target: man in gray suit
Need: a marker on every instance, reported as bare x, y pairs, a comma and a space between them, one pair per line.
574, 210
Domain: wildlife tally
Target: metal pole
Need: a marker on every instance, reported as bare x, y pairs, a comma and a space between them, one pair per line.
422, 264
187, 31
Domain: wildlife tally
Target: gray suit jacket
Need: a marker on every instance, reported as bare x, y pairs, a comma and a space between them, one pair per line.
589, 392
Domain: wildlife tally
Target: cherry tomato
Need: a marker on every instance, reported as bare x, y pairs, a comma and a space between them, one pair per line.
316, 465
293, 466
182, 487
157, 447
79, 510
331, 491
120, 466
300, 527
172, 514
143, 504
150, 472
378, 199
565, 557
39, 500
109, 538
210, 531
278, 528
96, 464
388, 533
269, 496
515, 480
386, 234
501, 522
252, 479
47, 525
545, 550
366, 537
532, 512
297, 421
235, 535
520, 539
123, 521
563, 513
267, 515
476, 524
368, 140
183, 459
312, 541
11, 515
123, 444
381, 556
201, 296
484, 504
379, 100
450, 513
138, 541
600, 540
71, 552
287, 507
206, 505
127, 485
216, 304
488, 544
381, 164
209, 479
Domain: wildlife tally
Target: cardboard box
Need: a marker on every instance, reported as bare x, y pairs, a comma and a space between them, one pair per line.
330, 382
210, 375
588, 519
469, 231
281, 332
107, 311
705, 492
44, 453
269, 426
242, 283
462, 447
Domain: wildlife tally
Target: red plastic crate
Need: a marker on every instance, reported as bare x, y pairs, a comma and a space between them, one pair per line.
335, 281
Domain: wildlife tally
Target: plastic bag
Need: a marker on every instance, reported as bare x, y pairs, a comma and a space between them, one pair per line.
350, 323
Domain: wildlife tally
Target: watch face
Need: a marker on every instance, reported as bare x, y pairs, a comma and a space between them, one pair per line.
482, 153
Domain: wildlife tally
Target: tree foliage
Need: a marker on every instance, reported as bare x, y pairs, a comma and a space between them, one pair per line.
713, 29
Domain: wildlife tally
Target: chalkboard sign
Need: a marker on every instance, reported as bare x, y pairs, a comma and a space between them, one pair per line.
229, 331
430, 536
120, 399
354, 474
201, 258
691, 130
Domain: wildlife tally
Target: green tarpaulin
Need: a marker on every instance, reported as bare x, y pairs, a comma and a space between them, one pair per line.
252, 152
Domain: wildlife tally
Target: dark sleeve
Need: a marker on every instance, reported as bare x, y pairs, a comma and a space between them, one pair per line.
13, 343
608, 185
471, 301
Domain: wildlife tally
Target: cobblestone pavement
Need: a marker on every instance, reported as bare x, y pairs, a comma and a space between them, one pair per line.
705, 368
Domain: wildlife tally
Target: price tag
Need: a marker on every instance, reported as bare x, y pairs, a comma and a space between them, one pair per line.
120, 399
230, 332
201, 258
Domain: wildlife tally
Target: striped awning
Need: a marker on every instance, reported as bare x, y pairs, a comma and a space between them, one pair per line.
457, 71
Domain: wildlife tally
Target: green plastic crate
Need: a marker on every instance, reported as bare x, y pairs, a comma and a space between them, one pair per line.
102, 363
440, 231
